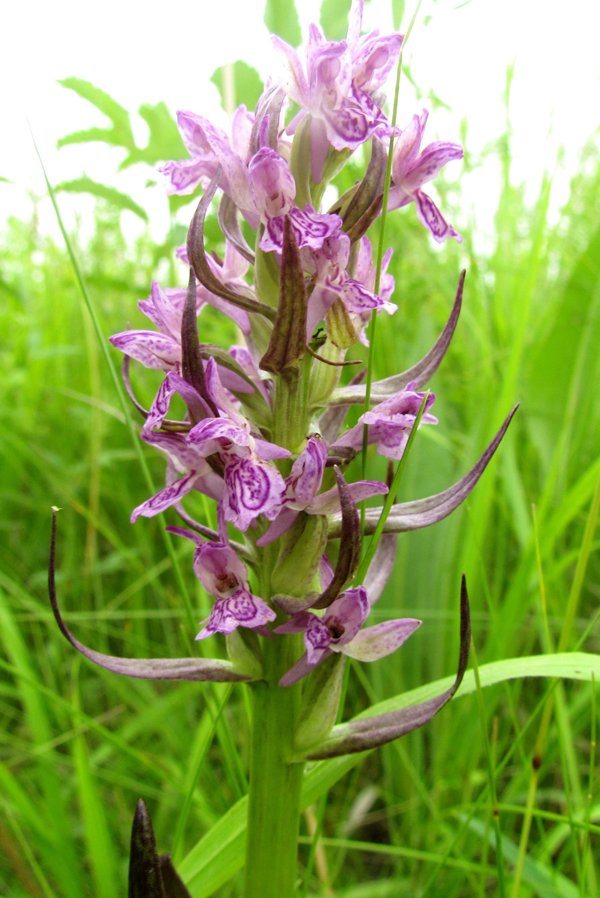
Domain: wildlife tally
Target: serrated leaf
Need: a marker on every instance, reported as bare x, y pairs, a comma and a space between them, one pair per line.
92, 135
121, 132
164, 141
281, 18
334, 18
239, 79
112, 196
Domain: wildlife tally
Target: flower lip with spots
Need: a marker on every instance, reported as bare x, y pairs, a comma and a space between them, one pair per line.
339, 630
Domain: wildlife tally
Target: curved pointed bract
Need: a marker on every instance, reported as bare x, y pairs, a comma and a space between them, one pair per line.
150, 875
365, 733
230, 226
145, 880
423, 512
365, 204
191, 669
418, 374
199, 261
349, 554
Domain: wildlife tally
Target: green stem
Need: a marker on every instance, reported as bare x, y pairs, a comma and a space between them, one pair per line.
275, 784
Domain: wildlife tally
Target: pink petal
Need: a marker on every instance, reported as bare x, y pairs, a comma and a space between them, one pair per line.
381, 640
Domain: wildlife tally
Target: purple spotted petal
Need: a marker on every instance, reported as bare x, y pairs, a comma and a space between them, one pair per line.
355, 122
152, 349
295, 83
390, 423
219, 434
166, 497
184, 175
430, 162
307, 473
310, 229
196, 404
164, 309
160, 406
192, 128
432, 218
239, 610
251, 489
359, 300
317, 639
373, 57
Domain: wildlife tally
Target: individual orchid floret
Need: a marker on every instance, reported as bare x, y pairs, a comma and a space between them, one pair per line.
161, 349
302, 490
390, 423
337, 88
252, 486
339, 631
260, 184
332, 282
249, 486
156, 349
225, 577
411, 169
209, 148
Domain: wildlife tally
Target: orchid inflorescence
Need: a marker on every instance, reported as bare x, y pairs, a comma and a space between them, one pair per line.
264, 433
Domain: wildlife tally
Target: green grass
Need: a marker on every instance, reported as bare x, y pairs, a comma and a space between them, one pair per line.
499, 795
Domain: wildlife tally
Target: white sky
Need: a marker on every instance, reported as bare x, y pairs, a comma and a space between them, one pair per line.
144, 52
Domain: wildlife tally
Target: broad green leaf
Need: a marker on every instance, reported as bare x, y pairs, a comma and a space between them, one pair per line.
237, 83
5, 180
281, 18
220, 853
115, 197
334, 18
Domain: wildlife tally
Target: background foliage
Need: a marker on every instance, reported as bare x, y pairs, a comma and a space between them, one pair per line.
499, 794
